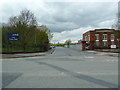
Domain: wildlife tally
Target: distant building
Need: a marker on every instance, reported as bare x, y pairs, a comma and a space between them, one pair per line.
79, 41
100, 39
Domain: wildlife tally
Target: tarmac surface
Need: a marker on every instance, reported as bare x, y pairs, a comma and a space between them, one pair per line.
64, 68
51, 51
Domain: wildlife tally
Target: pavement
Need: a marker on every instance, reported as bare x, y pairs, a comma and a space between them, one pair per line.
23, 55
103, 53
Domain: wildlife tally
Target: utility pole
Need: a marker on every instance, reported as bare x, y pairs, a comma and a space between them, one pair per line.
119, 25
119, 15
118, 41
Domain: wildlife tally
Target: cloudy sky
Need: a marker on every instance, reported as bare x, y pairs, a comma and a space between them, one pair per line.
66, 19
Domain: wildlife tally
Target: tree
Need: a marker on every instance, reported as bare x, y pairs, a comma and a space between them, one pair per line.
25, 25
30, 34
44, 28
116, 25
68, 42
26, 18
41, 37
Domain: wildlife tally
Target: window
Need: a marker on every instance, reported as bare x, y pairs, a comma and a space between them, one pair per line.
97, 43
104, 43
112, 36
85, 38
89, 37
104, 37
97, 37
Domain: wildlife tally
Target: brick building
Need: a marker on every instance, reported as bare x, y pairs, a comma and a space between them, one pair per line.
100, 39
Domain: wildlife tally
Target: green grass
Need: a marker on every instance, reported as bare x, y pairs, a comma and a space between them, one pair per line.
0, 49
117, 50
28, 49
11, 50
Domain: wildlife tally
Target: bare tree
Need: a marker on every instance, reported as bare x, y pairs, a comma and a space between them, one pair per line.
116, 25
13, 20
25, 18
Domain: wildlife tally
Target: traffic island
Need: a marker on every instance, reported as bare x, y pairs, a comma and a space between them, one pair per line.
5, 56
103, 53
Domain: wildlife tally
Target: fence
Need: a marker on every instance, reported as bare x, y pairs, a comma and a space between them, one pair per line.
77, 47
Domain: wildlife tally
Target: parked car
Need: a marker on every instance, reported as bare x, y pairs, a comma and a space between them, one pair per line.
51, 47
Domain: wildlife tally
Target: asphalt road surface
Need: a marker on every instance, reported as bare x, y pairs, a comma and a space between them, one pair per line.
65, 68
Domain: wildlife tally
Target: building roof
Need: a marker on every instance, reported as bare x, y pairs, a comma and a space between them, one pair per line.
103, 29
96, 30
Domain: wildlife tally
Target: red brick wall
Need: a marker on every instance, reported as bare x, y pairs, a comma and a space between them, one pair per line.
100, 39
92, 38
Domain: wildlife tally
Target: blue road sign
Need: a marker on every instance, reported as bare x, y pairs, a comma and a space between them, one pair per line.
13, 36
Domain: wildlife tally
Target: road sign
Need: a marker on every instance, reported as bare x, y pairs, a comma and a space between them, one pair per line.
113, 46
13, 36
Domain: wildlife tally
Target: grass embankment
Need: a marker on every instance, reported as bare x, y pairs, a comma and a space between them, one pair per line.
28, 49
116, 50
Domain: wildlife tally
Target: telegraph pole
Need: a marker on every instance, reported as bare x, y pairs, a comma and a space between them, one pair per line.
118, 44
119, 15
119, 25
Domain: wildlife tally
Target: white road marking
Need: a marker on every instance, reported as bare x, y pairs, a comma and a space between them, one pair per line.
111, 60
98, 73
88, 57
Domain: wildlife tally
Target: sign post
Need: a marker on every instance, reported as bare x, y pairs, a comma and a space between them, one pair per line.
13, 36
113, 46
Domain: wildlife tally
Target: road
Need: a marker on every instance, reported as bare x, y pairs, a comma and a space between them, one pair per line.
65, 68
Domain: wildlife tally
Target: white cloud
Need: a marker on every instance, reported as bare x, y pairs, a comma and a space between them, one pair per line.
65, 20
106, 24
13, 7
82, 0
74, 35
60, 0
77, 34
